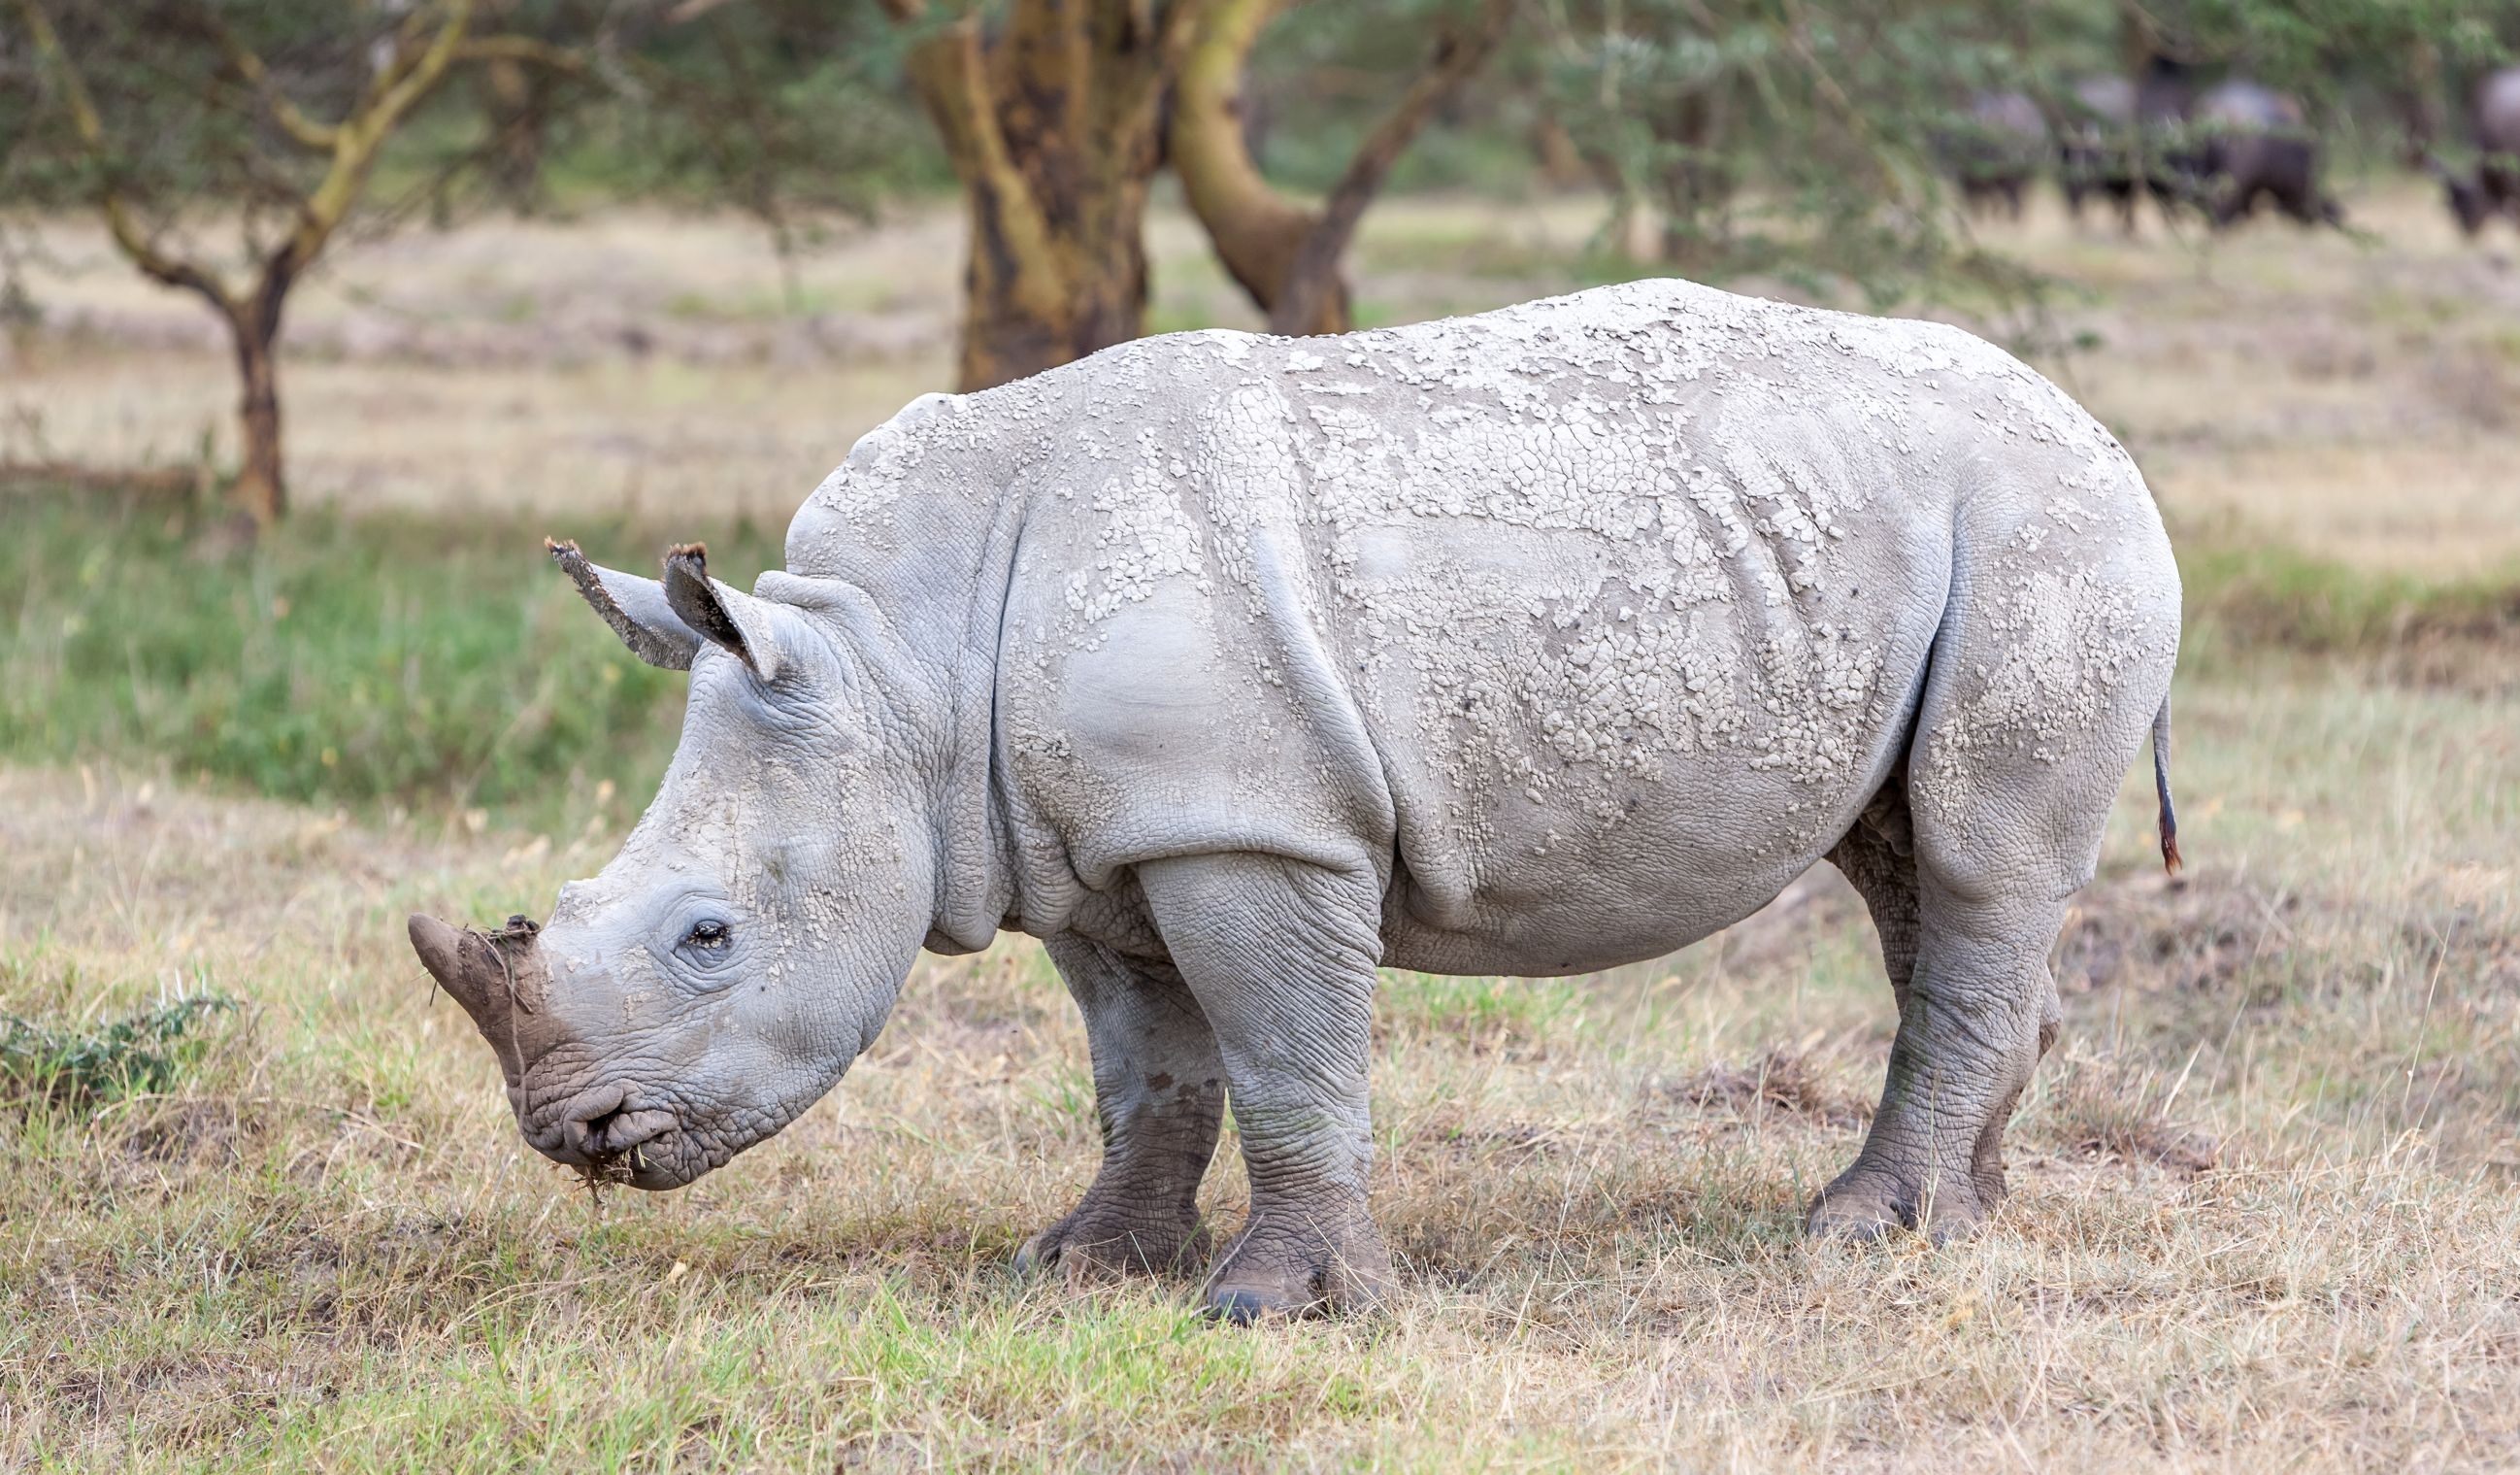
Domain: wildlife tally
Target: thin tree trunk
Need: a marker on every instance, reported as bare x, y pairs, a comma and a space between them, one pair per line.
1692, 180
514, 101
260, 488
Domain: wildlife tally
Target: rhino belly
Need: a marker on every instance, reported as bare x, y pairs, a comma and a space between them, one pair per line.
1571, 891
1595, 760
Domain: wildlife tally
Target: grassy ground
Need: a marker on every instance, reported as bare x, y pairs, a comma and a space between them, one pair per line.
2263, 1206
2262, 1201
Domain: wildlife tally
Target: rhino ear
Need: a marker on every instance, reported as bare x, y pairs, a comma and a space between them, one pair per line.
636, 607
723, 616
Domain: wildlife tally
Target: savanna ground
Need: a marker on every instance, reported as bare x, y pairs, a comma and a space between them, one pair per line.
2263, 1207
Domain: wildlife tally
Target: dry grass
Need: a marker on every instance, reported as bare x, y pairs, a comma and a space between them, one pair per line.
2262, 1211
2262, 1204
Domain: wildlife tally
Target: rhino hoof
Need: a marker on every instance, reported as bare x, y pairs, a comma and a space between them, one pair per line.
1865, 1212
1080, 1254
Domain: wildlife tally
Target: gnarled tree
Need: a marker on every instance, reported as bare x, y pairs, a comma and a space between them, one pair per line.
1285, 252
1053, 123
172, 108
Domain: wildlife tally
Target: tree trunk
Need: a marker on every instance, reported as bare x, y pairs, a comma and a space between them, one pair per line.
1030, 304
1691, 179
1053, 127
514, 97
1287, 255
261, 491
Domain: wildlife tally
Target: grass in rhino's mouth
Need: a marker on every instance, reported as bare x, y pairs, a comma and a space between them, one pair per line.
610, 1170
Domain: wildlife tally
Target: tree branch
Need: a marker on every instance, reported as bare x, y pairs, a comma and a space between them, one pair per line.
394, 92
528, 50
1254, 227
1314, 273
292, 120
134, 243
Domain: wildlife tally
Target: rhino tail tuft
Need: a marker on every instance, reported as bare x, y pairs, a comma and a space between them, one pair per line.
2170, 858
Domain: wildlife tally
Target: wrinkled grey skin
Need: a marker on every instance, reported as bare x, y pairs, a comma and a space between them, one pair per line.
1232, 667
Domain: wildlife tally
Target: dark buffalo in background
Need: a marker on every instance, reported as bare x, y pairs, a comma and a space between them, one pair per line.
2252, 141
2494, 188
1996, 150
2124, 139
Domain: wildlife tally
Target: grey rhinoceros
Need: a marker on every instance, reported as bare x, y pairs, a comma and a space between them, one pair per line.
1233, 667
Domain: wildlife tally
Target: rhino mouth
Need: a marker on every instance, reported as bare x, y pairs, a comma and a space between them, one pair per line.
615, 1134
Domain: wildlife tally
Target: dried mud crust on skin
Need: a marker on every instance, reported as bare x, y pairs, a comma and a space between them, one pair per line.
1696, 502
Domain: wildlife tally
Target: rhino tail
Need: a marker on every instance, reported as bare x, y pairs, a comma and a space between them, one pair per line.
2169, 859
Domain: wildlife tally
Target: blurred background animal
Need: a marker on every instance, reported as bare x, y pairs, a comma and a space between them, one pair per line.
2492, 186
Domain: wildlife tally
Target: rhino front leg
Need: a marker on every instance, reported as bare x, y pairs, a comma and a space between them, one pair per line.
1282, 957
1159, 1092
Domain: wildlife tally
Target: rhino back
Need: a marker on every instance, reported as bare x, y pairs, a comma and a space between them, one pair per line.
1587, 625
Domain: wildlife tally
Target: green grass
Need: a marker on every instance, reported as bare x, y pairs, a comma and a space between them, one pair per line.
2260, 592
338, 661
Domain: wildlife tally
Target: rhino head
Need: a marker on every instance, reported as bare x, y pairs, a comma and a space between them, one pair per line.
749, 939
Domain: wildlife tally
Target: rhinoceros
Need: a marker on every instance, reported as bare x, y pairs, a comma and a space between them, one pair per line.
1235, 668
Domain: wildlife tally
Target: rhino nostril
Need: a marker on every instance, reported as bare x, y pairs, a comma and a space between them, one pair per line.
598, 1131
618, 1131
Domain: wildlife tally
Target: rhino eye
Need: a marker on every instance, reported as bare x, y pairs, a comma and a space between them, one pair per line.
708, 936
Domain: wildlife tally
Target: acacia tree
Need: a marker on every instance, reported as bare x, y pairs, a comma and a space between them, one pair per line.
1286, 253
277, 112
791, 112
1057, 121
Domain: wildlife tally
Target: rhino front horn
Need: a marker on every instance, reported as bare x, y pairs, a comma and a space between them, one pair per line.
491, 974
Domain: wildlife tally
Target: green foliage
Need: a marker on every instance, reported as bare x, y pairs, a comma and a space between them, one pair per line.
791, 110
143, 1053
2265, 594
346, 662
1326, 74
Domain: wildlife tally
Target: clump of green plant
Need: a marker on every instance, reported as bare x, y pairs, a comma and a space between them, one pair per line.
143, 1053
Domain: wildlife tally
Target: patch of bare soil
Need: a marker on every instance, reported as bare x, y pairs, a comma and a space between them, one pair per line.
1785, 1079
2197, 934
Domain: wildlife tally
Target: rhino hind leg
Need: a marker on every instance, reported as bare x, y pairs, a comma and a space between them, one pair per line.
2004, 826
1159, 1096
1879, 859
1979, 1011
1281, 957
